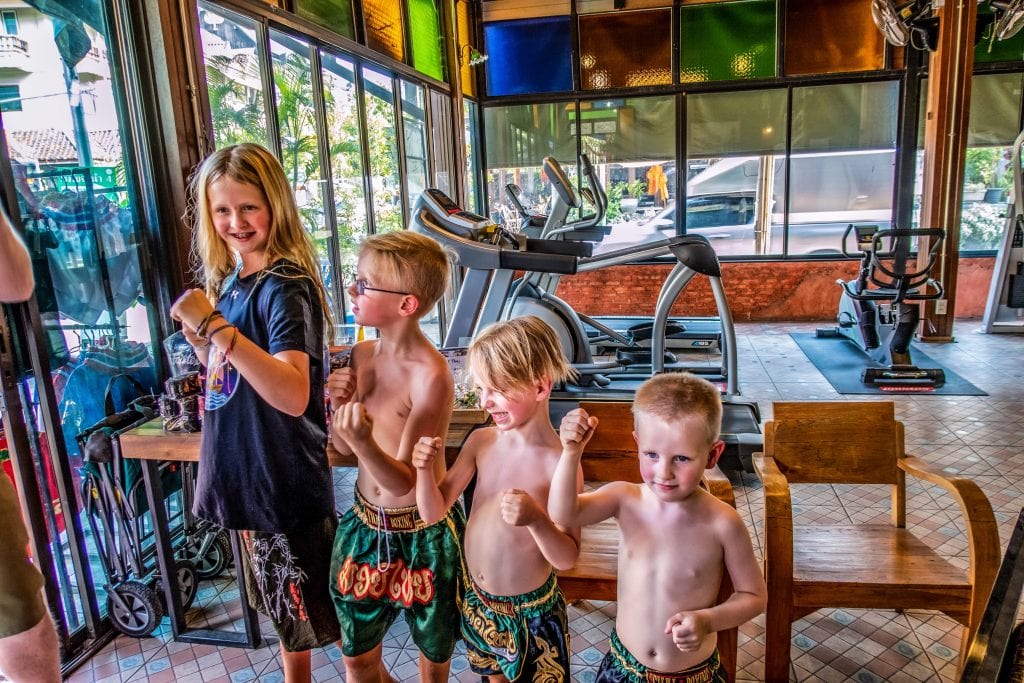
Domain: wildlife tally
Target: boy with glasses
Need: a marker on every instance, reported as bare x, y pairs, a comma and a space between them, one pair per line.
396, 389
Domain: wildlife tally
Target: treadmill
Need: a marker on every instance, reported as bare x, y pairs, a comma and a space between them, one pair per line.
491, 255
681, 334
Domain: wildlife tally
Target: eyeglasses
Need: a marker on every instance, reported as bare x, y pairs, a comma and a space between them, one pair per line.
362, 288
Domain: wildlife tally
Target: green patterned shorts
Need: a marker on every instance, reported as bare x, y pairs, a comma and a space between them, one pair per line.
521, 637
388, 561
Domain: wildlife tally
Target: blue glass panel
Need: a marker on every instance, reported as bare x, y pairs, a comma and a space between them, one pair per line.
528, 56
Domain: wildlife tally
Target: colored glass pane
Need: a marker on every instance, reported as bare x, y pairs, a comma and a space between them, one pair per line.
727, 41
831, 36
626, 50
528, 56
463, 28
427, 44
383, 20
333, 14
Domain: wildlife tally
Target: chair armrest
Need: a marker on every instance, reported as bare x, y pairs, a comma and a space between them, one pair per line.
719, 485
973, 502
777, 500
982, 528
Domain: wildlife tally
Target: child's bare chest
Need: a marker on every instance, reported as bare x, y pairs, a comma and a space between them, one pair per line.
658, 549
384, 392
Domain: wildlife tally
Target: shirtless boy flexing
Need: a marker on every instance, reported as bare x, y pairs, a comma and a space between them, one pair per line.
397, 388
675, 538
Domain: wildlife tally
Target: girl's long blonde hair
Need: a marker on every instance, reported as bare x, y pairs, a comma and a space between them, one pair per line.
252, 165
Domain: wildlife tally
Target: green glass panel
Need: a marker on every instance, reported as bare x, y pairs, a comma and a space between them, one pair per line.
333, 14
427, 53
727, 41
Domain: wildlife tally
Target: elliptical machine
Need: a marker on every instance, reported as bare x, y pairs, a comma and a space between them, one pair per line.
880, 310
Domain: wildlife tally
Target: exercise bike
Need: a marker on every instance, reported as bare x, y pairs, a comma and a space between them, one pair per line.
880, 310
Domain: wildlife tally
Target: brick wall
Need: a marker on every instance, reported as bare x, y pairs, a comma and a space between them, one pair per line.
757, 291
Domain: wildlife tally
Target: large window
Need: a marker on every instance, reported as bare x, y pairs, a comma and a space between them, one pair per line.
9, 22
992, 127
632, 144
341, 107
232, 76
414, 132
518, 139
333, 119
735, 143
382, 141
77, 200
841, 169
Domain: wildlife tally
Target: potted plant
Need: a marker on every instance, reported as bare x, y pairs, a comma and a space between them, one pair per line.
631, 194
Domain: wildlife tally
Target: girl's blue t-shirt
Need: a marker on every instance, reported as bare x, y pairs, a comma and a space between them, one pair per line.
261, 469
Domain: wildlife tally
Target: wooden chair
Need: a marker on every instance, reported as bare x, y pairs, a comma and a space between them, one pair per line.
866, 566
611, 455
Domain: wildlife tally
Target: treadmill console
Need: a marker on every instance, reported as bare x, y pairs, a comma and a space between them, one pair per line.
458, 221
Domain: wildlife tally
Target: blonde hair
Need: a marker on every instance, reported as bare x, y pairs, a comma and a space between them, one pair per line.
676, 396
409, 262
518, 353
253, 165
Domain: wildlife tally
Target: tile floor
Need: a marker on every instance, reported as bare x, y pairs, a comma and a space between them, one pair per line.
982, 437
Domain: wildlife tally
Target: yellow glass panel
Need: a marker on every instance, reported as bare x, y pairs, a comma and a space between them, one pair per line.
831, 36
383, 20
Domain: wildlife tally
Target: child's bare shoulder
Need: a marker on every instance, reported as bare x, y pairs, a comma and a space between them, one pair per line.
429, 375
362, 353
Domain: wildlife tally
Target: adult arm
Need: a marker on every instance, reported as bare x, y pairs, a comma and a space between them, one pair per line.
16, 281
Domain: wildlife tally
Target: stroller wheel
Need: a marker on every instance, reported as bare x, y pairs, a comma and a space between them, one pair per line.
188, 584
141, 612
214, 561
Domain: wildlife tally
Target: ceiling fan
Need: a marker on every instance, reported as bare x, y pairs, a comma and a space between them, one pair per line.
1009, 17
908, 22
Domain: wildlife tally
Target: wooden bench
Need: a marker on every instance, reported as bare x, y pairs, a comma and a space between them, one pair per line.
611, 455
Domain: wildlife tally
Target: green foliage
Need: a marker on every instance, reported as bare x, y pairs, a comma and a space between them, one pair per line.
613, 214
235, 100
985, 167
981, 225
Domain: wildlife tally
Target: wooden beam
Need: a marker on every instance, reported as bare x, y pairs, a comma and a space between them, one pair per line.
945, 141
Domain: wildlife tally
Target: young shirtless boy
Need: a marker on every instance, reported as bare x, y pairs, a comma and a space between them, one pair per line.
397, 388
675, 538
513, 614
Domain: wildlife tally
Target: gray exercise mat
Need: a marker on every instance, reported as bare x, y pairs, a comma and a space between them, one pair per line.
841, 361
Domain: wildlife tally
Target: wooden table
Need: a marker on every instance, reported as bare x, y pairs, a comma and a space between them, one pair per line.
149, 441
151, 445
